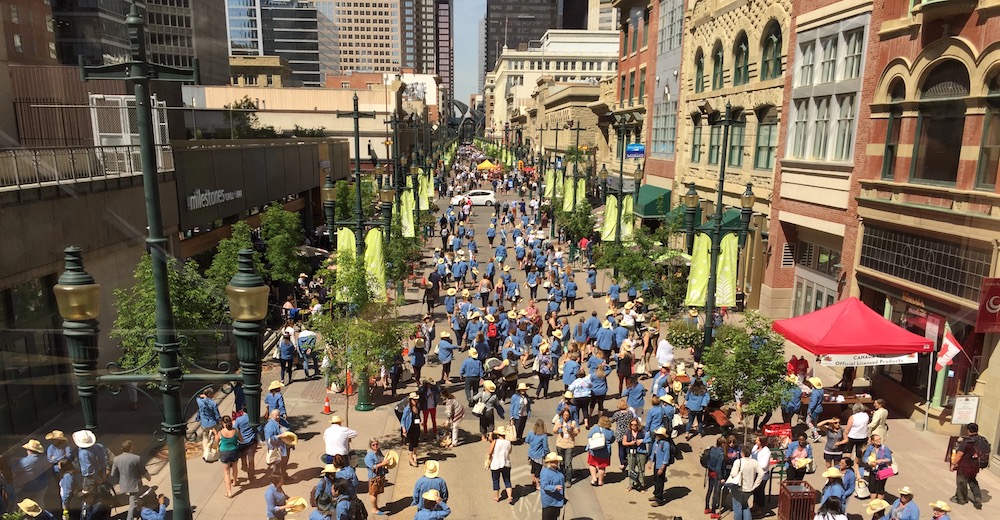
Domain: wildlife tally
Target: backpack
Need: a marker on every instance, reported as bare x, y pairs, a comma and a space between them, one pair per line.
981, 454
703, 459
357, 511
491, 330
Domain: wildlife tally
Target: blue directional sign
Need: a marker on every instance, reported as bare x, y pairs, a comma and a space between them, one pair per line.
635, 151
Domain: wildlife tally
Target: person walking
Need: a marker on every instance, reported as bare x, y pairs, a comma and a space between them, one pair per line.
453, 412
877, 461
696, 401
228, 440
815, 407
409, 425
336, 439
445, 356
857, 430
499, 455
965, 462
538, 448
744, 478
715, 463
248, 445
430, 397
208, 418
286, 353
621, 420
660, 457
566, 430
553, 485
430, 481
637, 451
545, 368
762, 453
878, 425
488, 404
129, 469
599, 442
471, 372
275, 499
58, 450
418, 358
32, 473
378, 465
520, 409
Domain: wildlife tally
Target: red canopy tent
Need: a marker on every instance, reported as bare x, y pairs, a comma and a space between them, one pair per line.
850, 327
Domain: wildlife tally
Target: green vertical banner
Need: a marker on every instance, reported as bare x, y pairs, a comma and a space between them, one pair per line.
610, 219
628, 219
406, 213
429, 179
725, 273
422, 193
409, 180
550, 182
567, 194
698, 275
581, 191
347, 248
560, 180
375, 263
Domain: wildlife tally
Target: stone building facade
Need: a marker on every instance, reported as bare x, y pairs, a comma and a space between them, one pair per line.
737, 54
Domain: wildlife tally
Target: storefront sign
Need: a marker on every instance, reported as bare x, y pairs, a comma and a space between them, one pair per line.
635, 151
205, 198
966, 409
988, 319
867, 360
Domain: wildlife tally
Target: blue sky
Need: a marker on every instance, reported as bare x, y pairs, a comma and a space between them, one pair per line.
465, 19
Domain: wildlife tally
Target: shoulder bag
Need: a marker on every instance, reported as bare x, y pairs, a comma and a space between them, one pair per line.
479, 408
597, 441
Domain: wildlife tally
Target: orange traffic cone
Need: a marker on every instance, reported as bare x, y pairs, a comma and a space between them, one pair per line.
326, 406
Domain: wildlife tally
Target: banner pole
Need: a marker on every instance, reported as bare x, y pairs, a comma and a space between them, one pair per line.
930, 380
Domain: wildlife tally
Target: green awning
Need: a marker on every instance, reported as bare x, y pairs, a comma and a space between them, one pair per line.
730, 220
654, 202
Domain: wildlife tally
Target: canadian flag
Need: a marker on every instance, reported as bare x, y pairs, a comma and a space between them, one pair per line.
949, 349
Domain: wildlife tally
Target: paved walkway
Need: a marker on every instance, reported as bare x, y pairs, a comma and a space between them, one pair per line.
920, 454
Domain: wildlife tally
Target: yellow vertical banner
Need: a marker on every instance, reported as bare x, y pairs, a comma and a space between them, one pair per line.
406, 213
347, 248
628, 219
409, 180
567, 194
550, 182
610, 219
422, 193
581, 191
560, 179
375, 263
725, 273
698, 274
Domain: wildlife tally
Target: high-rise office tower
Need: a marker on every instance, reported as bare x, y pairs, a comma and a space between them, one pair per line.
285, 28
516, 22
481, 55
445, 46
601, 16
28, 28
367, 35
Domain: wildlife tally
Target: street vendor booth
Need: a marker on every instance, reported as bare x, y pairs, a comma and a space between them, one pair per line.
850, 334
486, 165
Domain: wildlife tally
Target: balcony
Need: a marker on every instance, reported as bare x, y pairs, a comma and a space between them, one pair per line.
40, 167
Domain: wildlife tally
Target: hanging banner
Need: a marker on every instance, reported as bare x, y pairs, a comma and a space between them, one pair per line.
867, 360
375, 263
560, 179
567, 199
610, 225
347, 248
988, 318
581, 191
725, 273
422, 194
698, 275
550, 182
628, 219
406, 213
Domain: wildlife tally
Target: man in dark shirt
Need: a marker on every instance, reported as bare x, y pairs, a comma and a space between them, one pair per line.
966, 467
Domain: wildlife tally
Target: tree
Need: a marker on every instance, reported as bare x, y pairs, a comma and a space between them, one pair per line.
282, 231
241, 116
748, 364
579, 223
226, 259
197, 304
298, 131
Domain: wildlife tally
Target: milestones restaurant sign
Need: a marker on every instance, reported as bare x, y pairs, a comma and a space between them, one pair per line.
215, 183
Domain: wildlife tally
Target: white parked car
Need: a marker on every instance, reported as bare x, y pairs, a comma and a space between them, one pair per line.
478, 197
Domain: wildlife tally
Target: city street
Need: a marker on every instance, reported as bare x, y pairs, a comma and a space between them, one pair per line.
920, 454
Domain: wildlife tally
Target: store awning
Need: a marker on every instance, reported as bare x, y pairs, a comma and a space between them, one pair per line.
850, 327
730, 221
654, 202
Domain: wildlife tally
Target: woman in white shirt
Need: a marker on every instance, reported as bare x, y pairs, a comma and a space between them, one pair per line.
857, 430
762, 454
500, 463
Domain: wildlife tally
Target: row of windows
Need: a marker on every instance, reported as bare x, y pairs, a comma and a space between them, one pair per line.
671, 20
633, 88
823, 128
765, 144
840, 58
561, 65
665, 127
171, 20
19, 46
770, 66
639, 35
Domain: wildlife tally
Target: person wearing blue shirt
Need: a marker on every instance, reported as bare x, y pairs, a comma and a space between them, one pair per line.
500, 253
442, 268
473, 246
635, 395
661, 381
621, 334
469, 232
249, 445
491, 269
538, 447
456, 243
592, 325
715, 466
599, 457
449, 301
661, 458
655, 417
632, 292
491, 234
567, 402
696, 401
32, 473
605, 338
580, 332
592, 279
513, 291
519, 255
471, 372
552, 484
614, 293
571, 289
418, 358
796, 451
208, 417
456, 272
430, 481
275, 499
834, 485
815, 407
793, 403
850, 479
153, 508
287, 350
598, 387
532, 281
669, 411
59, 450
520, 408
274, 400
571, 367
433, 507
445, 355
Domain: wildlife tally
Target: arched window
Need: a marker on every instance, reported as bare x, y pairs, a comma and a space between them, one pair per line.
941, 124
737, 135
897, 93
699, 71
718, 66
741, 63
770, 56
989, 154
767, 139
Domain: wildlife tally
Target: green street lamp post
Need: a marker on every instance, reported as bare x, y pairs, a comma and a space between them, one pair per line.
576, 160
357, 116
747, 200
78, 298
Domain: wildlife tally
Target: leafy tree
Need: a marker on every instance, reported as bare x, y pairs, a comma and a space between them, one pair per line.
197, 304
748, 364
579, 223
346, 200
298, 131
241, 116
282, 231
401, 253
226, 259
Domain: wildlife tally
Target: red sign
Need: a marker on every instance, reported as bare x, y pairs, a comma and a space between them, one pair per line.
988, 319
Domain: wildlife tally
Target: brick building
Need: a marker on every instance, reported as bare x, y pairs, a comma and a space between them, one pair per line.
738, 52
824, 136
927, 196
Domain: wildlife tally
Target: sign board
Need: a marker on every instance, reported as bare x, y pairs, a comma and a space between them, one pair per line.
988, 318
635, 151
966, 409
867, 360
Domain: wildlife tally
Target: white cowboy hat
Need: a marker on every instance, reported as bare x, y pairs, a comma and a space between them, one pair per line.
84, 439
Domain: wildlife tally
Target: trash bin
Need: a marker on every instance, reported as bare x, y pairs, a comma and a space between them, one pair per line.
796, 500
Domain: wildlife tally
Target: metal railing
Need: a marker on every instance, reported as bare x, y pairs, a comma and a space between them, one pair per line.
38, 167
